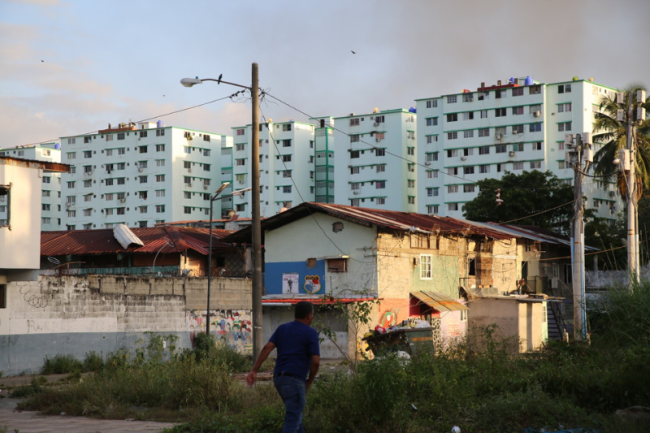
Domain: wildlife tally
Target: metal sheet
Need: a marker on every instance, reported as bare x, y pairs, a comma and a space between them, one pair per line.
438, 301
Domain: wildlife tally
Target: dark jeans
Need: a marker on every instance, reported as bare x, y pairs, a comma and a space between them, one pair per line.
292, 391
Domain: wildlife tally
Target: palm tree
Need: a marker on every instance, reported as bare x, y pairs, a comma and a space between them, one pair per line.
611, 134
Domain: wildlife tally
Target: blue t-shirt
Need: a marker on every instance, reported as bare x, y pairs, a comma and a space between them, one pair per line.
296, 344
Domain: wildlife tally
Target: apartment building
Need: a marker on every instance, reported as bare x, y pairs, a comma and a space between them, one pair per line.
511, 126
140, 175
51, 182
368, 160
286, 166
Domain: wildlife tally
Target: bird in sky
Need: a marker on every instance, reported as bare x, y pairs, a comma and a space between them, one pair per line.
42, 61
219, 79
353, 52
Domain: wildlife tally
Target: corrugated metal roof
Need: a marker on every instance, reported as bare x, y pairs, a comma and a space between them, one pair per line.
439, 301
102, 241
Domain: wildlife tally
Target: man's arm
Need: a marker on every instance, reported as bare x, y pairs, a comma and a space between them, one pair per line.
315, 363
266, 351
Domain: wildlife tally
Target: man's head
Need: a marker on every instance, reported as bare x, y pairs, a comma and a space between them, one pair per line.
304, 312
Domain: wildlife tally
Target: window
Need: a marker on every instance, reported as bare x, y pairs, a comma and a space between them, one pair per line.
564, 108
484, 168
468, 134
380, 168
286, 189
109, 197
354, 170
88, 212
468, 151
187, 210
286, 173
534, 90
109, 137
143, 134
432, 209
537, 146
379, 119
452, 99
160, 178
469, 188
485, 150
501, 131
411, 199
44, 207
501, 93
411, 183
425, 266
337, 265
410, 150
354, 122
518, 91
120, 136
452, 189
206, 137
432, 103
561, 127
160, 208
160, 132
353, 186
468, 170
535, 165
380, 200
286, 158
72, 140
206, 182
432, 174
240, 147
517, 165
499, 168
143, 179
286, 127
560, 165
47, 179
88, 154
354, 154
564, 88
453, 117
160, 163
453, 171
433, 156
560, 146
432, 121
187, 195
535, 127
500, 112
518, 129
452, 153
88, 183
46, 193
109, 152
120, 181
485, 132
142, 209
517, 111
206, 167
44, 221
72, 214
286, 143
380, 152
410, 134
501, 148
121, 151
432, 139
143, 149
452, 135
206, 152
468, 116
71, 184
160, 147
354, 202
240, 132
380, 184
534, 108
518, 147
433, 192
240, 162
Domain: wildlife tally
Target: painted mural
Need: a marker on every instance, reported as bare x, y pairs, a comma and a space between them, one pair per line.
231, 327
312, 284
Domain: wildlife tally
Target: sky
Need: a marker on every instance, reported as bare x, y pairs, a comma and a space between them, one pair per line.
68, 67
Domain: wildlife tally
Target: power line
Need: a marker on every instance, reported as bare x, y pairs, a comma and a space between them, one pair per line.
539, 213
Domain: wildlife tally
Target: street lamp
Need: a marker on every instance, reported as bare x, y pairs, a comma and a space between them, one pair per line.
255, 206
212, 200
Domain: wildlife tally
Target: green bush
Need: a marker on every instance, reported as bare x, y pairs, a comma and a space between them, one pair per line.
93, 362
61, 364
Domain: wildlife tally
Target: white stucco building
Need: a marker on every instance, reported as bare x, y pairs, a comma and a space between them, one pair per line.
510, 126
51, 182
368, 160
140, 175
286, 166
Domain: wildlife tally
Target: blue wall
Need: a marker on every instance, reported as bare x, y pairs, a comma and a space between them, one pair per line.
274, 271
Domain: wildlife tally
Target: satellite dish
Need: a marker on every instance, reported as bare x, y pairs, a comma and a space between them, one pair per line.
53, 260
591, 79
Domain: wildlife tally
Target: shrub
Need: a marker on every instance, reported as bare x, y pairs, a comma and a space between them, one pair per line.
62, 364
93, 362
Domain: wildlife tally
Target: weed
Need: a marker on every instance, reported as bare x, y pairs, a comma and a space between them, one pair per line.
61, 364
93, 362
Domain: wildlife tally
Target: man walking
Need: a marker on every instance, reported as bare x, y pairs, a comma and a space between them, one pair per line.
298, 354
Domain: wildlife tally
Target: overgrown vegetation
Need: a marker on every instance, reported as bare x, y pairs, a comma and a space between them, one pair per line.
481, 390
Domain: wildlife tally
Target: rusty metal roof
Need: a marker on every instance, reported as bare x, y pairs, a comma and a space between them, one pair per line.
439, 301
102, 241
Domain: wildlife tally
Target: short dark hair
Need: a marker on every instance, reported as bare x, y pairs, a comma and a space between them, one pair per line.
303, 308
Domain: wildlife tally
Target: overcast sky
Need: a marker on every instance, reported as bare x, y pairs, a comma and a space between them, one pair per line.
69, 67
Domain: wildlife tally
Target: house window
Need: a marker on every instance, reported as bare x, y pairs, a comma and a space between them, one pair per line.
468, 134
426, 262
120, 136
380, 152
419, 241
452, 153
411, 183
354, 154
469, 188
432, 103
121, 151
518, 129
160, 132
143, 149
240, 132
71, 140
452, 99
160, 208
452, 117
561, 127
187, 210
379, 119
452, 135
354, 170
240, 162
433, 192
484, 169
160, 147
564, 108
432, 174
500, 112
485, 132
337, 265
534, 108
410, 134
452, 207
354, 122
286, 189
381, 184
411, 199
380, 168
468, 170
463, 315
564, 88
535, 127
286, 127
432, 121
88, 154
517, 111
501, 93
468, 116
380, 200
143, 179
87, 139
519, 147
501, 148
354, 202
537, 146
109, 152
485, 150
432, 139
517, 165
452, 189
433, 209
535, 165
286, 143
534, 90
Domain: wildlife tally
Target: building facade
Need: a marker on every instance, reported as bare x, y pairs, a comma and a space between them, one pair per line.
51, 182
140, 175
286, 166
513, 126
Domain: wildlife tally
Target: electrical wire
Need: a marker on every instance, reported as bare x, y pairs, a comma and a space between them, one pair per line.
539, 213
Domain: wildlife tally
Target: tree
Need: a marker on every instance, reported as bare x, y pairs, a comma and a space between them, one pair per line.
527, 196
610, 135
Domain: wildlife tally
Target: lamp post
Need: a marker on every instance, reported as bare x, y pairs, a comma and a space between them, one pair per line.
255, 198
212, 200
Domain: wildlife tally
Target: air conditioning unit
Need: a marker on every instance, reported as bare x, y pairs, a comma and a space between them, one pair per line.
69, 205
377, 140
355, 192
498, 136
427, 163
416, 261
511, 153
463, 158
376, 123
122, 200
140, 170
189, 184
537, 114
241, 182
205, 187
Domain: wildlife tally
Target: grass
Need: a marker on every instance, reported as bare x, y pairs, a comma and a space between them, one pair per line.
486, 389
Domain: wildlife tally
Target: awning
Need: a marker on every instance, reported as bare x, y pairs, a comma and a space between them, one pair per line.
438, 301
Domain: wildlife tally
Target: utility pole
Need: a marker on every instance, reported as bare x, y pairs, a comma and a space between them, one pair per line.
582, 153
258, 336
632, 232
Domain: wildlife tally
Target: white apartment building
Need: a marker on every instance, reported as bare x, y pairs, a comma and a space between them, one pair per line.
140, 175
51, 182
511, 126
286, 166
368, 160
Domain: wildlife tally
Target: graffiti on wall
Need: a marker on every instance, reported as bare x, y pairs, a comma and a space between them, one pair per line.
312, 284
231, 327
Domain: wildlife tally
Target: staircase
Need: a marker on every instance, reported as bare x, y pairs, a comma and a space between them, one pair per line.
556, 325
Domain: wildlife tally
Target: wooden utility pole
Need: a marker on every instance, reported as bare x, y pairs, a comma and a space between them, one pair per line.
632, 233
577, 157
258, 329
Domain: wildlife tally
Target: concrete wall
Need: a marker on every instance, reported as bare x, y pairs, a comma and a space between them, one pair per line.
71, 315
